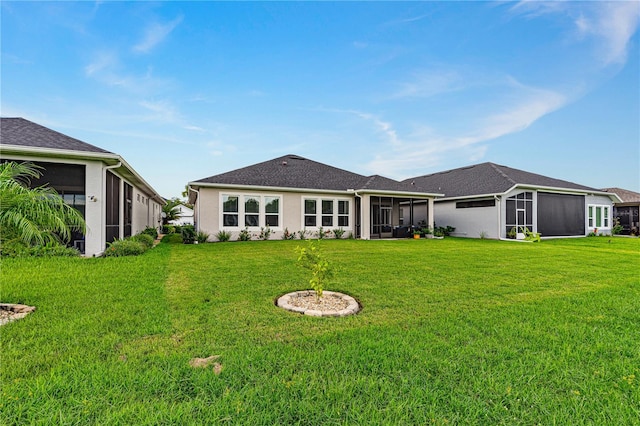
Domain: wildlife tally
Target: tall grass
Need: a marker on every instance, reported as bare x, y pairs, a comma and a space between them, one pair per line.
452, 332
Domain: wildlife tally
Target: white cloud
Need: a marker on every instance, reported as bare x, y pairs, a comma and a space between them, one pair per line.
616, 23
102, 62
155, 34
162, 111
425, 148
428, 84
610, 24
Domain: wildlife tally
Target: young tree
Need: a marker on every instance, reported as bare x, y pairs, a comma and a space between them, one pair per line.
35, 216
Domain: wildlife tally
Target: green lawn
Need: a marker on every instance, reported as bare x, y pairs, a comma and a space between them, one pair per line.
452, 331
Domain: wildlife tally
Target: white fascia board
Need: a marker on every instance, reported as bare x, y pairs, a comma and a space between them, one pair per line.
106, 157
467, 197
249, 188
399, 193
612, 196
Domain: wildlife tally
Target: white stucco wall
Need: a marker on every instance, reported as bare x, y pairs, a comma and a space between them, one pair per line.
469, 222
208, 211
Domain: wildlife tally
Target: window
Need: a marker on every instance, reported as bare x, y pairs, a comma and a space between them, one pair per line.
327, 212
272, 211
343, 213
598, 216
475, 203
229, 210
309, 212
251, 211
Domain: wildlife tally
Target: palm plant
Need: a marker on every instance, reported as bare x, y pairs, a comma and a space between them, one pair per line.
171, 211
35, 216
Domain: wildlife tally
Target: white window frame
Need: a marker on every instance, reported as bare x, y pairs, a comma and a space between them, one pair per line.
592, 216
262, 220
334, 215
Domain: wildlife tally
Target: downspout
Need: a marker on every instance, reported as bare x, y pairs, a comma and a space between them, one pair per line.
103, 232
197, 223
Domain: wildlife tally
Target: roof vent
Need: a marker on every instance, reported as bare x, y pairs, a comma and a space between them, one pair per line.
284, 163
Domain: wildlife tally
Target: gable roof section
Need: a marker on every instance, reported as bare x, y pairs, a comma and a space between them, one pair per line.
295, 172
21, 132
625, 195
23, 137
487, 179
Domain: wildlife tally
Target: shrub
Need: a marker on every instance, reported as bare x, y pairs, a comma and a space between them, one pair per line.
146, 240
153, 232
617, 228
168, 229
126, 247
322, 234
288, 235
202, 237
17, 248
223, 236
338, 233
188, 233
244, 235
302, 234
265, 233
172, 239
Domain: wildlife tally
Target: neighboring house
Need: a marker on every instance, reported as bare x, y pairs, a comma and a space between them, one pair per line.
114, 200
628, 211
293, 193
489, 200
185, 216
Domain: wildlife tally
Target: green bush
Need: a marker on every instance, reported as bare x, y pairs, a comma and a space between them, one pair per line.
17, 248
188, 233
244, 235
126, 247
146, 240
202, 237
153, 232
223, 236
172, 239
168, 229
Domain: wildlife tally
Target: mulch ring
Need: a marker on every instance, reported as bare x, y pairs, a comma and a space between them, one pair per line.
13, 311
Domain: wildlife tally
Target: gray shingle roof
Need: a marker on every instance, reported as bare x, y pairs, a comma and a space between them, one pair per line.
625, 195
293, 171
21, 132
486, 178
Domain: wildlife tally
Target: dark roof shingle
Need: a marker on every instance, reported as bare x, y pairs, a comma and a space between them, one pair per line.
293, 171
486, 178
21, 132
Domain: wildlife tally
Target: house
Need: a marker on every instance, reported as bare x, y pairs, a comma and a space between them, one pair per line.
492, 201
292, 194
627, 212
185, 216
114, 199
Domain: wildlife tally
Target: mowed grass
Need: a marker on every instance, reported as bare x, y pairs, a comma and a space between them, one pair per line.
452, 331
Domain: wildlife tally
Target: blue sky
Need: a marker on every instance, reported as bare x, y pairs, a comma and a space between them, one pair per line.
186, 90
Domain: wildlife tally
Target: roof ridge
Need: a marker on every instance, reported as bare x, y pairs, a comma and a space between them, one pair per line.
497, 168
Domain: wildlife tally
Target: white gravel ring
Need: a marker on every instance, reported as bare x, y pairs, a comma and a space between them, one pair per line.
287, 302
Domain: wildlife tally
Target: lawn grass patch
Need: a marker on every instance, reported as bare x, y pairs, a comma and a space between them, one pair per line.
452, 331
